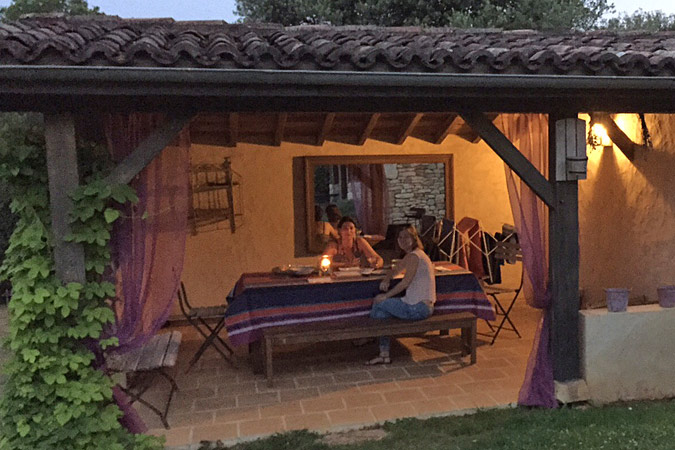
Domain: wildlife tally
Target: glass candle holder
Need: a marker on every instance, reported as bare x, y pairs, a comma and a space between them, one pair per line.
324, 265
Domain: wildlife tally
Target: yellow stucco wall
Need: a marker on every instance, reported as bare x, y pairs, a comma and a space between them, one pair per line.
214, 260
627, 215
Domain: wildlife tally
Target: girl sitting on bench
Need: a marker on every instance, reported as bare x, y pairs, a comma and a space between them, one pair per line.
419, 282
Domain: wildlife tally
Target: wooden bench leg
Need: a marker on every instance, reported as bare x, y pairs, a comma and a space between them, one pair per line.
267, 352
255, 354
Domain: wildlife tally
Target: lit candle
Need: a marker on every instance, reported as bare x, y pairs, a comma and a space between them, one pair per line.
325, 264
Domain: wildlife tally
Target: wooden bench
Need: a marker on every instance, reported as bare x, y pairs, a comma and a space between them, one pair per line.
153, 358
366, 328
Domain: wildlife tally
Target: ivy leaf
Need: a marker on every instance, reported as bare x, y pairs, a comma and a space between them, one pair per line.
111, 215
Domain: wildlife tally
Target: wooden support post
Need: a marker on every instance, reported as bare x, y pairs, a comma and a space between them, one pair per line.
63, 180
563, 262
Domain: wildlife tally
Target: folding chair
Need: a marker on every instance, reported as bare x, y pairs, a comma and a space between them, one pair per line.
507, 250
199, 318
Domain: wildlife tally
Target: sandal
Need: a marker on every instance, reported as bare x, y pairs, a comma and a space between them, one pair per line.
379, 360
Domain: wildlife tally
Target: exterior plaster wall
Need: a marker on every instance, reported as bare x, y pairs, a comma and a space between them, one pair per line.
214, 260
627, 215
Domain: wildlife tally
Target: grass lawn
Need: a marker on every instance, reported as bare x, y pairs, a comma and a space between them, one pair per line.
646, 425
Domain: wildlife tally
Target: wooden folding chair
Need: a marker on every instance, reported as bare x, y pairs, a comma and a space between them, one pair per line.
199, 318
508, 250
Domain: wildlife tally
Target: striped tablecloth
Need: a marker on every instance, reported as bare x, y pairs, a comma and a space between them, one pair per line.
261, 300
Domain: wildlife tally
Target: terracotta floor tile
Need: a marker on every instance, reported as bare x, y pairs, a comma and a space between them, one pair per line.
281, 409
194, 418
313, 421
441, 390
390, 373
237, 414
403, 395
374, 386
362, 399
481, 374
423, 371
279, 384
298, 394
261, 427
322, 404
396, 411
228, 389
318, 380
504, 397
208, 404
341, 389
215, 432
480, 386
352, 416
427, 407
191, 394
353, 377
257, 399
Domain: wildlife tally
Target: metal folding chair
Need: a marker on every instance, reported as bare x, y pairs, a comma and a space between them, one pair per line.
508, 250
201, 318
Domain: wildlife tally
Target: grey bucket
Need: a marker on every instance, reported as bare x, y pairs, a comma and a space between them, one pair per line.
666, 296
617, 299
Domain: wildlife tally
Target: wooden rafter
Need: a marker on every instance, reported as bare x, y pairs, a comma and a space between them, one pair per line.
616, 134
365, 134
448, 126
511, 155
325, 128
149, 149
469, 134
408, 125
279, 130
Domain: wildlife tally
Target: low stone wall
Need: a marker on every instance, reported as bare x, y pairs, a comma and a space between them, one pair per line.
628, 355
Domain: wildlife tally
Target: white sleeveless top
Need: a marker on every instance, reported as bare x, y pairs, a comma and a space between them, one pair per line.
423, 285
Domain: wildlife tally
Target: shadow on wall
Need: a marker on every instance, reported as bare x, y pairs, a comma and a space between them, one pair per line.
628, 220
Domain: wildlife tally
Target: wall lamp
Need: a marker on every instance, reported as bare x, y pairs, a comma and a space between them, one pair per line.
615, 135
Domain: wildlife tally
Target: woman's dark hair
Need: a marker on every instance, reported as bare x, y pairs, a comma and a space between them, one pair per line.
345, 219
333, 213
318, 213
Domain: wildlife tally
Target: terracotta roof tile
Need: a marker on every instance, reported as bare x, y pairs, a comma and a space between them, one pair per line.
112, 41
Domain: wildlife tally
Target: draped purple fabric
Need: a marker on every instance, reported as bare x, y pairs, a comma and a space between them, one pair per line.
148, 242
371, 197
529, 133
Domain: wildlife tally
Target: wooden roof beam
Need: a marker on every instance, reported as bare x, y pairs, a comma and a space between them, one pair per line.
510, 155
616, 134
368, 128
325, 128
450, 124
147, 150
407, 128
282, 118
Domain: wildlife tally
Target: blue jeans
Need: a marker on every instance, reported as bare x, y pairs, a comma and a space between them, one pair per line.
395, 307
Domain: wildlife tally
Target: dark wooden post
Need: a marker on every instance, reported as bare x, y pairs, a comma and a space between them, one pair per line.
564, 252
63, 180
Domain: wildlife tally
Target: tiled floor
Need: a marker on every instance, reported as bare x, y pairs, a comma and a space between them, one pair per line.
325, 387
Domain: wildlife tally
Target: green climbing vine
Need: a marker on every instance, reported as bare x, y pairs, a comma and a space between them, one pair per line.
54, 397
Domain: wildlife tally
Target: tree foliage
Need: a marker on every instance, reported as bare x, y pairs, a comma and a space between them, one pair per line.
54, 396
507, 14
643, 21
68, 7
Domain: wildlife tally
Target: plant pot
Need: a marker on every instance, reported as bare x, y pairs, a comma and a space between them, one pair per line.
666, 296
617, 299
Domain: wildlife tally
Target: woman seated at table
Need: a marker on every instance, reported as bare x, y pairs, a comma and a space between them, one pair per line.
325, 232
419, 284
352, 250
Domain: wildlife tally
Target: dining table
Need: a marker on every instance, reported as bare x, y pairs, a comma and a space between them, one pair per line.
266, 299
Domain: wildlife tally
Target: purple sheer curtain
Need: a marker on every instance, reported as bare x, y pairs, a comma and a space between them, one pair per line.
371, 197
529, 133
148, 242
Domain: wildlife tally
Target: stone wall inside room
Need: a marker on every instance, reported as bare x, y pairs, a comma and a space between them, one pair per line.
415, 186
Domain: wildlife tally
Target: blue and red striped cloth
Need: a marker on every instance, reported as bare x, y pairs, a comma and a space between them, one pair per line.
261, 300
